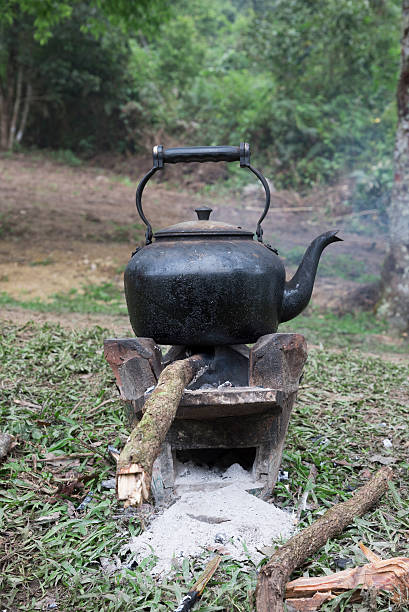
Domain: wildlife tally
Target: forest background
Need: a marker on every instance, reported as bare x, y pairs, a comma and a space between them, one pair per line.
313, 91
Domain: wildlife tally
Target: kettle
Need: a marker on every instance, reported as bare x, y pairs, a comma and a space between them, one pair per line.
207, 283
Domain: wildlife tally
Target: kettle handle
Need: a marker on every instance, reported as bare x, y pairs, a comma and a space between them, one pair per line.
200, 154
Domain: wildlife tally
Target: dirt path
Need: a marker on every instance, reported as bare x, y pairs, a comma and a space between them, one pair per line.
117, 324
62, 228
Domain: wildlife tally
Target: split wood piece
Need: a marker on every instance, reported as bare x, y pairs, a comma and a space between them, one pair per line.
136, 363
390, 575
135, 463
277, 361
275, 574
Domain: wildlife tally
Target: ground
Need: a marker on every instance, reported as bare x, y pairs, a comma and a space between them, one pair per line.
62, 227
66, 233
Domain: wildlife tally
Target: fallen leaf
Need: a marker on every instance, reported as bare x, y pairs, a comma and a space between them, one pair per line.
384, 460
69, 488
7, 443
49, 518
365, 473
27, 404
71, 509
267, 551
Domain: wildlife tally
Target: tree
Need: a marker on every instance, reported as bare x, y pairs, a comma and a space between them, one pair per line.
394, 304
26, 24
333, 64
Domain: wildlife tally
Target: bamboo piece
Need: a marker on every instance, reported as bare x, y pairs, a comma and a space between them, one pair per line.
275, 574
135, 463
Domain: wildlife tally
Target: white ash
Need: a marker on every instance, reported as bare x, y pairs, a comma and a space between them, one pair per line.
228, 520
191, 473
215, 386
225, 385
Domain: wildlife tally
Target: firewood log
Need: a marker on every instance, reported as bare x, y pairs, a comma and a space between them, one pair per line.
135, 463
275, 574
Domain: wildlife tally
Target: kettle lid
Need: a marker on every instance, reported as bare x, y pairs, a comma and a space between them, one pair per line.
202, 228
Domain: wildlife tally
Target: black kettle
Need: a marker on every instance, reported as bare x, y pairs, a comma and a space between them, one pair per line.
202, 283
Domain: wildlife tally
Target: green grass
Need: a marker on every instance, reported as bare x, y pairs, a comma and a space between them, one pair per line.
361, 329
103, 299
124, 233
42, 262
355, 330
62, 156
58, 396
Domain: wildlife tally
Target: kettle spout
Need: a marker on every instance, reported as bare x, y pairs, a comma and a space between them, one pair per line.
297, 292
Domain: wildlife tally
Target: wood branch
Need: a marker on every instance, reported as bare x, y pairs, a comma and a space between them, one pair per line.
135, 463
275, 574
26, 108
16, 106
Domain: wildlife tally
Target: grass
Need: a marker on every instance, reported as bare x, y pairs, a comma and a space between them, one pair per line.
354, 330
125, 233
360, 329
59, 399
105, 298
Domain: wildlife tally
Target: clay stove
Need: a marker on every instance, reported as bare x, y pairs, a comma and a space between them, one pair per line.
242, 402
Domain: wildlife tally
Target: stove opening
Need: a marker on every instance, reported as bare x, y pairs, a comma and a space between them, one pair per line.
218, 459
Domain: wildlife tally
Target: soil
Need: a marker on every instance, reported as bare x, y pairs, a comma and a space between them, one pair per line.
64, 227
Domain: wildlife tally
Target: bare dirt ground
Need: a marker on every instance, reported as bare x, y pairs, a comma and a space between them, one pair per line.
63, 227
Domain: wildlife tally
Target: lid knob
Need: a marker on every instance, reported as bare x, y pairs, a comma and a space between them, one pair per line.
203, 213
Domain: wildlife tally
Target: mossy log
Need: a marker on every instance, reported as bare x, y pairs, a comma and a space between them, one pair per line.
135, 463
276, 573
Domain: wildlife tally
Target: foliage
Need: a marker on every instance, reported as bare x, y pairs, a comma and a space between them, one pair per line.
59, 398
72, 67
81, 82
310, 84
47, 14
373, 186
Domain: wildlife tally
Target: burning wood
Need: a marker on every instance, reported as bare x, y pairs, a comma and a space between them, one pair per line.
135, 463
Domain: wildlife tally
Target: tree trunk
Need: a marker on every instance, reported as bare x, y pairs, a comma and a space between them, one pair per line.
394, 304
16, 107
274, 576
4, 121
26, 108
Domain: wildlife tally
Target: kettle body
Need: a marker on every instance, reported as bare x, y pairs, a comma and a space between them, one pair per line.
204, 292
